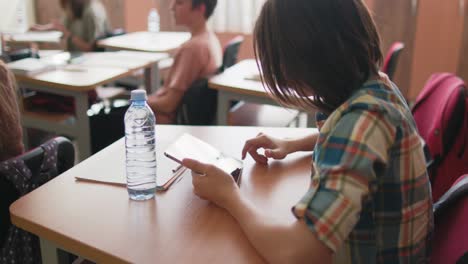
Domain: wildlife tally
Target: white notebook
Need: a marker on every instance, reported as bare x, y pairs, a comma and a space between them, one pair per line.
168, 172
29, 66
38, 36
188, 146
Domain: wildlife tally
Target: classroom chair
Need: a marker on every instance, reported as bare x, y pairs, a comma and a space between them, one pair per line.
231, 52
391, 59
198, 105
441, 115
19, 176
450, 241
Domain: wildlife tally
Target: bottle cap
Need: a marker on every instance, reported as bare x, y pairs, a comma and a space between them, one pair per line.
138, 95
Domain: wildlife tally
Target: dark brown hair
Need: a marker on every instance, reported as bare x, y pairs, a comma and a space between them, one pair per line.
77, 7
323, 48
209, 6
11, 143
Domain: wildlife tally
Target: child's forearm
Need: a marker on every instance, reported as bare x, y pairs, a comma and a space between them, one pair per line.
306, 143
276, 241
81, 44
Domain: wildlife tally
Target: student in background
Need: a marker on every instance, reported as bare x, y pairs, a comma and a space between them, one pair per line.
11, 140
84, 21
369, 200
199, 57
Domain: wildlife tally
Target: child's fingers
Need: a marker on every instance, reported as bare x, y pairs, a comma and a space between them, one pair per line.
195, 166
258, 157
274, 153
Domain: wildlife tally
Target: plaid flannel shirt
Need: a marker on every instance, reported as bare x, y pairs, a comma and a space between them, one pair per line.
370, 199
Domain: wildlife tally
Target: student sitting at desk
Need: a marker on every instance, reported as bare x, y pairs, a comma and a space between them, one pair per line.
11, 140
84, 21
369, 200
199, 57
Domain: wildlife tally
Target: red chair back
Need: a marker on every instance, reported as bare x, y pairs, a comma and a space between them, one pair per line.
391, 59
441, 114
450, 241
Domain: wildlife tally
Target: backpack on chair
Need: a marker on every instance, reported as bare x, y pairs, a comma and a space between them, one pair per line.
441, 114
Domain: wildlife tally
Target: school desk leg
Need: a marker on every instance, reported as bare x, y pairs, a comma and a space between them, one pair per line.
223, 108
25, 138
152, 78
83, 130
50, 253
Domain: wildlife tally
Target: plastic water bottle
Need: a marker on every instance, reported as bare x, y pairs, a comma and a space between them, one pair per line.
140, 148
153, 20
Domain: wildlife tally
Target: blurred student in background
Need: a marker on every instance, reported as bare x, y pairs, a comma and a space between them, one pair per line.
83, 22
11, 139
199, 57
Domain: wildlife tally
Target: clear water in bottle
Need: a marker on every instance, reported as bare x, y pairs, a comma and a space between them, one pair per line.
140, 148
153, 20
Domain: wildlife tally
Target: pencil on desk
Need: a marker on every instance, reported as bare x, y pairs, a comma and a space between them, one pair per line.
177, 168
74, 70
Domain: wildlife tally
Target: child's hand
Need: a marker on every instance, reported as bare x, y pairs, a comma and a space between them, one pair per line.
274, 148
211, 183
57, 25
38, 27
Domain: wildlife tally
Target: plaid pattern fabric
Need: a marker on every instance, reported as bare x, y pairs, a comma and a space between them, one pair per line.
369, 199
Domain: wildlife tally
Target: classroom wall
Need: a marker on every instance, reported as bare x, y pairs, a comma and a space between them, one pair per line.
9, 18
136, 17
136, 13
31, 7
48, 10
115, 12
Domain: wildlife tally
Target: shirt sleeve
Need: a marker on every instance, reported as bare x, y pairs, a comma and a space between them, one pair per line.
65, 21
95, 23
89, 27
187, 67
347, 159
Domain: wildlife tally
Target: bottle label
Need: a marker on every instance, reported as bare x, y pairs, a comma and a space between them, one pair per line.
139, 116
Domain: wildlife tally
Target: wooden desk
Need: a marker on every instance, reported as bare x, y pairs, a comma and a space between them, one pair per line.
146, 41
76, 81
235, 84
133, 61
100, 223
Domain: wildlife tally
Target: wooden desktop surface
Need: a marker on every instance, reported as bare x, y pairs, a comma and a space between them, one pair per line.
241, 82
34, 36
99, 222
238, 79
95, 69
74, 78
85, 74
146, 41
131, 60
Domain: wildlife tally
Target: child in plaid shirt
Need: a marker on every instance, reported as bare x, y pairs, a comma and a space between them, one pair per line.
369, 199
